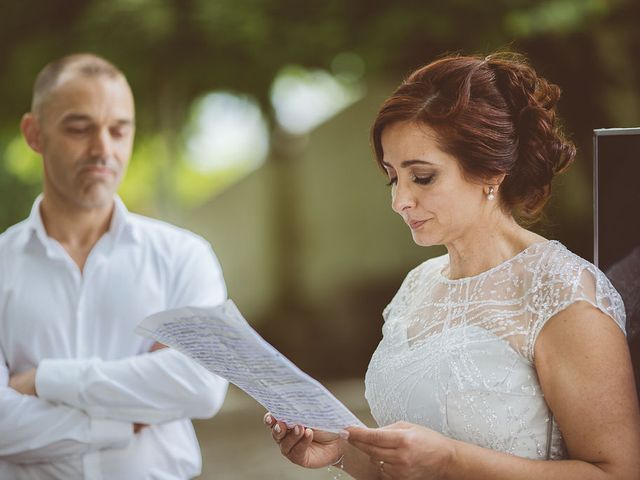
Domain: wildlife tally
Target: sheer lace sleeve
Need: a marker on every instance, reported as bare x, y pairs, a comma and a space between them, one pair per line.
565, 279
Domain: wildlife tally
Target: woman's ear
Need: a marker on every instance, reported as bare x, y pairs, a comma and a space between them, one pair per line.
497, 181
492, 186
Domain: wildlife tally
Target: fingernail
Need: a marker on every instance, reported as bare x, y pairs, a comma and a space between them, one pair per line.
277, 428
268, 419
296, 430
343, 434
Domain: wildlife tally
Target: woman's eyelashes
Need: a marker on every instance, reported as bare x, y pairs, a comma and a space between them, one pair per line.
420, 180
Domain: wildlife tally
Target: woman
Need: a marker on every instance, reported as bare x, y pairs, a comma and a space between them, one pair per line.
509, 351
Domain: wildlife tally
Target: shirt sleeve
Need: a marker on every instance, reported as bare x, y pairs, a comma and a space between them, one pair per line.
155, 387
33, 430
562, 285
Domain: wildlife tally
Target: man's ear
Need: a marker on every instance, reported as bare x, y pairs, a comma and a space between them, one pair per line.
31, 131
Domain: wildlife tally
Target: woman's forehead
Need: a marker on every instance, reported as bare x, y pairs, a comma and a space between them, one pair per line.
405, 142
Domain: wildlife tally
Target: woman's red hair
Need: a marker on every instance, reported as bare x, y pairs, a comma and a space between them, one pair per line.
495, 115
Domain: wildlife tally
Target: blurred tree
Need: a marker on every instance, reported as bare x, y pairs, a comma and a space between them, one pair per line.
174, 51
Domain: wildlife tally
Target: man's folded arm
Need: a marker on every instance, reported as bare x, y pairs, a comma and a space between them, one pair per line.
151, 388
33, 430
155, 387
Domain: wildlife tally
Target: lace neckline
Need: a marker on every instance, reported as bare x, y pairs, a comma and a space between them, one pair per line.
533, 247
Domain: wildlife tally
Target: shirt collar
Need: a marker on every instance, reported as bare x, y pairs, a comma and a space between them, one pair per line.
121, 228
35, 227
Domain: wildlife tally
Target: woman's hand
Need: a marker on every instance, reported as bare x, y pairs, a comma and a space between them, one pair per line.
404, 450
304, 446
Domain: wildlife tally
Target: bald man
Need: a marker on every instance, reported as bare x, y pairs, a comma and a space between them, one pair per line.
82, 396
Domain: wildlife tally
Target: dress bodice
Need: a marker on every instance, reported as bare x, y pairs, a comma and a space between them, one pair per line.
457, 355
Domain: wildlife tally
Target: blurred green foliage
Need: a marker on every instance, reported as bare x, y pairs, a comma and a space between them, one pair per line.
174, 52
562, 16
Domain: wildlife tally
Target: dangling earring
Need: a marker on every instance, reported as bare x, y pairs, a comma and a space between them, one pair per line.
490, 195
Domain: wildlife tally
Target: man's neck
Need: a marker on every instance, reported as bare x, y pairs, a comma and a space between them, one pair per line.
76, 229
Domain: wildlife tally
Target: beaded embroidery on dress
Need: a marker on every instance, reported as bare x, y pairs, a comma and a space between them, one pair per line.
457, 355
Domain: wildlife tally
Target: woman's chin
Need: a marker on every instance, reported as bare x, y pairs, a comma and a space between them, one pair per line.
423, 240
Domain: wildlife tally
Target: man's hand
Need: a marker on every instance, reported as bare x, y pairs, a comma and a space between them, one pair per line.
139, 426
24, 383
157, 346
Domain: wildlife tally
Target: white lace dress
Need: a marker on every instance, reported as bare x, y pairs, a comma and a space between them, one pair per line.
457, 355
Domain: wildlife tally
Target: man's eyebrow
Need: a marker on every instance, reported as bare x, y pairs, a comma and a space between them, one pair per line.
81, 117
76, 117
408, 163
125, 122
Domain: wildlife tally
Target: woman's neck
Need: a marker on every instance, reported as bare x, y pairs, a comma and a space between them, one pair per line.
486, 246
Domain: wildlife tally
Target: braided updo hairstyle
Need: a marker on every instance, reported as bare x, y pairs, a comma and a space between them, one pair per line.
495, 115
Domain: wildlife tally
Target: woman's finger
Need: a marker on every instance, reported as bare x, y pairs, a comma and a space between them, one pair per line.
386, 469
387, 438
291, 439
324, 437
268, 419
375, 452
279, 431
389, 471
299, 449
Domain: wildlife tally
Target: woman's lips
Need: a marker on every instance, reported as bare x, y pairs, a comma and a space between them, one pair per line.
416, 224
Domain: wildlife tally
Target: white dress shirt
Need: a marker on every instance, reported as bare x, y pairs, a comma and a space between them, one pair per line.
95, 377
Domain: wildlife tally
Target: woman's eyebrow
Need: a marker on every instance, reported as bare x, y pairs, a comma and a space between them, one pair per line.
408, 163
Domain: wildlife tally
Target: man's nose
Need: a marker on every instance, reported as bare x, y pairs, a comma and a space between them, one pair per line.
101, 146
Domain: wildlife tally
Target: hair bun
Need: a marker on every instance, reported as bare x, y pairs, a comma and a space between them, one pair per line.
543, 151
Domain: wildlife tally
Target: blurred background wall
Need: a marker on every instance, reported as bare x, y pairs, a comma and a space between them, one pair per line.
252, 130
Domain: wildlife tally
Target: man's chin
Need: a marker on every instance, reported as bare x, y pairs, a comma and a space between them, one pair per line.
96, 199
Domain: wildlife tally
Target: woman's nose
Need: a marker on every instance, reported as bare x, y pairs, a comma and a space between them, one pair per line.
401, 197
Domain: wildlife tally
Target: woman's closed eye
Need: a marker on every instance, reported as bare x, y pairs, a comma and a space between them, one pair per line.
422, 180
426, 180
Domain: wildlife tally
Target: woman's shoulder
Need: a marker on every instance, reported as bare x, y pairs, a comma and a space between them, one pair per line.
552, 261
562, 277
552, 266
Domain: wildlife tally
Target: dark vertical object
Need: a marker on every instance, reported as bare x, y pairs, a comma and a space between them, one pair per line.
617, 222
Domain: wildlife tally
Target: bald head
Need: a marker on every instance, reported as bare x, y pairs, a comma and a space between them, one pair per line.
59, 71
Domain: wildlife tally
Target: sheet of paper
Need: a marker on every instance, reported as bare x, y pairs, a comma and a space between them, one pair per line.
222, 341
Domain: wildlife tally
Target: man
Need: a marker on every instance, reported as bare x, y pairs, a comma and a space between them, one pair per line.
82, 396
